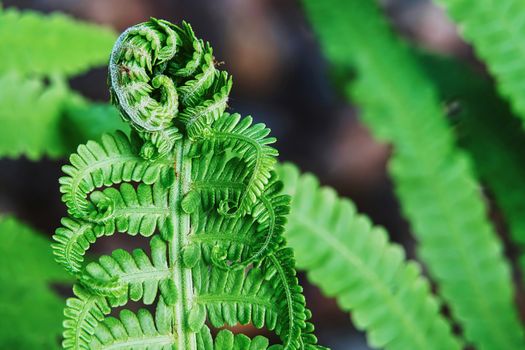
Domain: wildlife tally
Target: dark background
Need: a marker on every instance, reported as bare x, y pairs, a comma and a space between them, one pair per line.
280, 78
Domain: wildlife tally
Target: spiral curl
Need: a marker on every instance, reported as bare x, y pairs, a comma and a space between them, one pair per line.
162, 79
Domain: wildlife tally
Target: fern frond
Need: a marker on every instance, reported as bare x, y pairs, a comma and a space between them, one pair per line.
292, 303
489, 132
434, 182
112, 161
72, 240
354, 262
30, 310
199, 182
83, 313
239, 137
225, 339
126, 209
138, 275
63, 46
134, 331
143, 331
494, 28
236, 297
198, 118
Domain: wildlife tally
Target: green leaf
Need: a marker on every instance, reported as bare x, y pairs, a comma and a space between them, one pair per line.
126, 209
351, 260
30, 310
434, 181
30, 115
51, 44
83, 121
39, 120
489, 132
494, 28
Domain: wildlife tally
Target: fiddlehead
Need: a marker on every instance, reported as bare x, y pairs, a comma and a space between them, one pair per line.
200, 183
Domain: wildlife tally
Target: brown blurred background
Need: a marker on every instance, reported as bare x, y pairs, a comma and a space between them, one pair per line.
281, 79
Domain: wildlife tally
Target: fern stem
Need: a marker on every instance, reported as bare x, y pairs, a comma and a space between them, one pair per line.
181, 229
161, 341
288, 294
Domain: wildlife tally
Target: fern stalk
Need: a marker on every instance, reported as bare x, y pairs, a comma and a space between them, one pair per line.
434, 181
181, 229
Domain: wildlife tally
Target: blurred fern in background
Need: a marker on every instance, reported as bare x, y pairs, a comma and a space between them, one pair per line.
38, 54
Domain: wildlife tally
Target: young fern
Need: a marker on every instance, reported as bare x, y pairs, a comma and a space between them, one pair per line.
200, 183
434, 181
354, 262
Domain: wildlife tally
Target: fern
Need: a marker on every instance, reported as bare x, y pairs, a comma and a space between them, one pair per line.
199, 182
387, 296
489, 132
29, 309
64, 46
494, 29
434, 181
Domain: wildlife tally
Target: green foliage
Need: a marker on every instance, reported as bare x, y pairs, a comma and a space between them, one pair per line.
200, 183
29, 309
39, 118
30, 115
386, 295
83, 121
62, 46
489, 132
494, 28
434, 181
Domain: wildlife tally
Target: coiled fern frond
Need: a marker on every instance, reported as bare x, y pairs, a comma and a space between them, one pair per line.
200, 183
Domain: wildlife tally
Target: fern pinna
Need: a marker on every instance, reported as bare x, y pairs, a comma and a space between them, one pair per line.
200, 183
